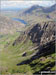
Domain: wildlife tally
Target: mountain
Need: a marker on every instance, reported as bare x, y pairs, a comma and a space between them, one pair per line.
37, 9
32, 52
31, 49
50, 9
7, 25
37, 13
40, 33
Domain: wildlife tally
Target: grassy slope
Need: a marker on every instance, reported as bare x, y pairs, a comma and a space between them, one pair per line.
12, 55
7, 38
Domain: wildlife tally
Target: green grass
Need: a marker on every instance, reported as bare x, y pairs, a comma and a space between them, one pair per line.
12, 55
7, 38
9, 64
38, 65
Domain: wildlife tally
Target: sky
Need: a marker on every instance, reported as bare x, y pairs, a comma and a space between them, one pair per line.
25, 4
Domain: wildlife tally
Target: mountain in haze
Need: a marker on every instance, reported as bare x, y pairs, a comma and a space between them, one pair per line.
38, 8
50, 9
37, 13
9, 26
35, 7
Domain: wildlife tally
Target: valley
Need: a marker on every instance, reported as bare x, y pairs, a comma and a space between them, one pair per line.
23, 51
27, 41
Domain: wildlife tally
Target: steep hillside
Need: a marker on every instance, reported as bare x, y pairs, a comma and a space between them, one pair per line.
9, 30
40, 33
33, 51
42, 36
9, 26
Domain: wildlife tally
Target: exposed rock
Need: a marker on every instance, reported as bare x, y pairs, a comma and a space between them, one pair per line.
42, 32
39, 34
42, 59
24, 54
49, 57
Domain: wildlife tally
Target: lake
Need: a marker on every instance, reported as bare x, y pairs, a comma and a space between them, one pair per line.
17, 19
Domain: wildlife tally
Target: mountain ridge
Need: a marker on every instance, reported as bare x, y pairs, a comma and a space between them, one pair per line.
41, 9
9, 26
39, 33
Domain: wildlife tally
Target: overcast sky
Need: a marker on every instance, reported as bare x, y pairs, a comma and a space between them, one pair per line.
25, 4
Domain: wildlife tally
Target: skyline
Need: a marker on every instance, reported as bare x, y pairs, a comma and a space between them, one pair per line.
25, 4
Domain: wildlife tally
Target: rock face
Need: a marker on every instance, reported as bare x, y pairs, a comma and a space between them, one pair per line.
9, 26
40, 33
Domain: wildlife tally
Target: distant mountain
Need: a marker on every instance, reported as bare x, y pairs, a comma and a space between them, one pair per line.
9, 26
37, 13
50, 9
38, 8
35, 7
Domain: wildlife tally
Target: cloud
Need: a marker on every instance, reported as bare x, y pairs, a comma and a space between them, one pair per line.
25, 4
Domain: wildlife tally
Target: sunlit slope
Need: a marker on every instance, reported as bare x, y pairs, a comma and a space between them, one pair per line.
29, 51
6, 39
9, 26
9, 30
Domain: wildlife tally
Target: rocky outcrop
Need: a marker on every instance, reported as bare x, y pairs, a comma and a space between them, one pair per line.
39, 34
42, 33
